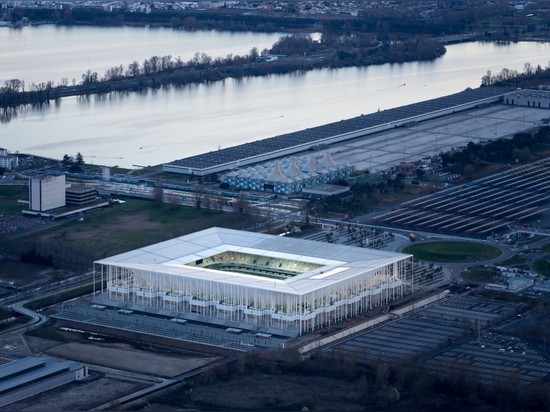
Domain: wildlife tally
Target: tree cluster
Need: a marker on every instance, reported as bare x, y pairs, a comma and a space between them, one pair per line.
405, 386
73, 163
300, 51
514, 150
14, 93
529, 77
364, 195
294, 45
31, 256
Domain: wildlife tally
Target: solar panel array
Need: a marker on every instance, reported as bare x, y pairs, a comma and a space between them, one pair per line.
312, 135
494, 358
425, 330
479, 208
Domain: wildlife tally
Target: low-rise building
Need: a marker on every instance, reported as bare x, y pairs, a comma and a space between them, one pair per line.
80, 195
288, 176
530, 98
322, 191
7, 160
30, 376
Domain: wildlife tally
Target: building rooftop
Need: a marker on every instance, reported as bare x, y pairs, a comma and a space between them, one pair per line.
177, 257
27, 371
315, 134
326, 189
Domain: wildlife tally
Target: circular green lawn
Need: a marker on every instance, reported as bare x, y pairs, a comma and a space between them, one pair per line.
452, 251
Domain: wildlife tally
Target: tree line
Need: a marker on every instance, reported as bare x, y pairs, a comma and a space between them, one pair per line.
300, 53
380, 386
474, 156
530, 77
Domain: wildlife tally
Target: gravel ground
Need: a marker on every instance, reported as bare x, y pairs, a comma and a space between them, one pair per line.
116, 369
79, 396
129, 359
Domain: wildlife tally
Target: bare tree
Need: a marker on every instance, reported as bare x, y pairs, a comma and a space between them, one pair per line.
199, 196
173, 200
133, 69
207, 200
241, 206
14, 86
158, 194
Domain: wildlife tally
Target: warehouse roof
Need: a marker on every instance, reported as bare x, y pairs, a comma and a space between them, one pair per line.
314, 134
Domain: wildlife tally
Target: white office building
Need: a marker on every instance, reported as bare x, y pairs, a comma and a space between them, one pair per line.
46, 193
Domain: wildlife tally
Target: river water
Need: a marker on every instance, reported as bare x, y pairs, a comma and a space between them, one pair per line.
163, 125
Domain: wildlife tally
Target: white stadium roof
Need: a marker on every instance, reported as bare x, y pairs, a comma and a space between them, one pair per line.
338, 262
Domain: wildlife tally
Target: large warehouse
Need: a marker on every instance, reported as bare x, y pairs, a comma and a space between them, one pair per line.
270, 282
316, 137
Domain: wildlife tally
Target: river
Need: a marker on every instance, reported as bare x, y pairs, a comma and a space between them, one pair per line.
163, 125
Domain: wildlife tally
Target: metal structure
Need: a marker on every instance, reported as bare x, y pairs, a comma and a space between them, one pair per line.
270, 282
318, 137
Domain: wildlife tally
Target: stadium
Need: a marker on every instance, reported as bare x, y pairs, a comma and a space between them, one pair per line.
248, 280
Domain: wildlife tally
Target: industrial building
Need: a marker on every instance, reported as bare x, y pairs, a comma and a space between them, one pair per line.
539, 99
80, 195
22, 378
318, 137
46, 192
241, 278
288, 176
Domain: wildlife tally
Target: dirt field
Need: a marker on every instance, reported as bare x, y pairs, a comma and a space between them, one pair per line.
22, 274
117, 369
126, 358
77, 243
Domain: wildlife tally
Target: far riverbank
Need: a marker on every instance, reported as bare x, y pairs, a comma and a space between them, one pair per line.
159, 125
289, 54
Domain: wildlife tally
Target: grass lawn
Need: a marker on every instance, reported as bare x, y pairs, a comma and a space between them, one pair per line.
8, 198
542, 266
514, 260
452, 251
531, 240
133, 224
482, 275
136, 223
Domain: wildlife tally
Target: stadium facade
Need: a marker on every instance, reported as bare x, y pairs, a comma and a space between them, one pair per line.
265, 282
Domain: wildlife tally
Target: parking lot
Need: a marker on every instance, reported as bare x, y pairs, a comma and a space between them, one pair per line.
383, 150
173, 328
479, 208
493, 358
425, 330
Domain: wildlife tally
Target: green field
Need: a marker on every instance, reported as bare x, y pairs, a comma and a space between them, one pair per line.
452, 251
9, 195
514, 260
542, 266
106, 232
478, 274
